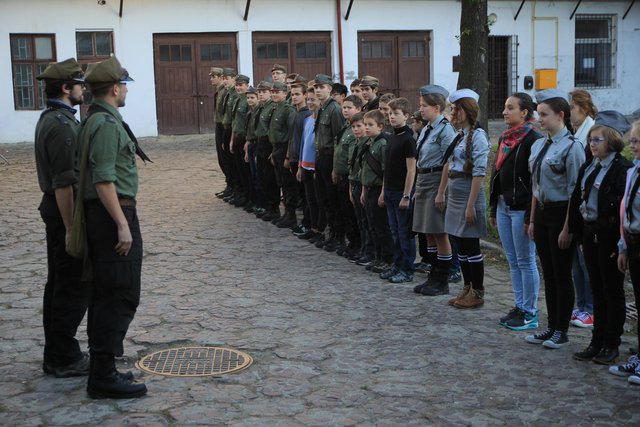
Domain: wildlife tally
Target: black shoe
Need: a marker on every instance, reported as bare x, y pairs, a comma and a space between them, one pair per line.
270, 215
588, 353
316, 238
298, 230
440, 287
287, 221
249, 207
365, 261
341, 249
259, 212
320, 243
114, 386
306, 235
418, 288
47, 368
228, 197
239, 201
607, 356
510, 315
79, 368
332, 245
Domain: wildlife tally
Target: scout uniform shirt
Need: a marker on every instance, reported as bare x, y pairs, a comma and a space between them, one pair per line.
354, 155
56, 146
265, 118
589, 208
239, 111
220, 98
378, 150
341, 151
480, 148
631, 214
432, 146
227, 117
328, 123
279, 124
554, 175
112, 154
253, 117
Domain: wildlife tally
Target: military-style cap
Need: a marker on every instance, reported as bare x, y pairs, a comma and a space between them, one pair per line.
264, 85
614, 120
278, 67
322, 79
279, 86
296, 79
229, 72
241, 78
434, 89
67, 70
463, 93
107, 71
252, 90
215, 71
547, 94
369, 81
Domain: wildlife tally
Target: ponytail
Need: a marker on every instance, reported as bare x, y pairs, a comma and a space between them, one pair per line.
468, 162
567, 123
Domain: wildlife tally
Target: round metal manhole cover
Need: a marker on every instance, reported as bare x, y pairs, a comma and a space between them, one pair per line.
195, 361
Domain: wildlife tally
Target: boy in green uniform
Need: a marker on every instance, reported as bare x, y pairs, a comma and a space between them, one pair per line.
266, 172
369, 92
216, 80
109, 180
257, 202
65, 297
229, 75
239, 110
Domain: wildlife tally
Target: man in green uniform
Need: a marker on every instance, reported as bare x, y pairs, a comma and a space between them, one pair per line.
65, 298
109, 180
257, 203
229, 76
266, 172
217, 82
369, 91
239, 110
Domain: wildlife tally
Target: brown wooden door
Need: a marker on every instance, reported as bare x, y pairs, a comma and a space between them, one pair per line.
305, 53
400, 60
184, 96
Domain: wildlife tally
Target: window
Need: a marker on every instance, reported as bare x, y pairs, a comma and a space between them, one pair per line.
311, 50
175, 53
215, 52
595, 51
30, 55
381, 49
272, 50
413, 49
94, 46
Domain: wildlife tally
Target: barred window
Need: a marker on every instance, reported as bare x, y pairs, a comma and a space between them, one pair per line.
30, 55
595, 51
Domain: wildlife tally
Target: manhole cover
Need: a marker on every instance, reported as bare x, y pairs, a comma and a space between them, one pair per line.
195, 361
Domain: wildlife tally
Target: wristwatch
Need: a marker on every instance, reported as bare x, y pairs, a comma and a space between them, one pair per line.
406, 197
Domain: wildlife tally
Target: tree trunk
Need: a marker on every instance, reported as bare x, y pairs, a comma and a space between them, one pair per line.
474, 44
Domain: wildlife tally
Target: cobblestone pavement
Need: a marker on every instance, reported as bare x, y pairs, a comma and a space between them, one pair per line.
333, 345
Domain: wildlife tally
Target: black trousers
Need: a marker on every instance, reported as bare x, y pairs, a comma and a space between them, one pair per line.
367, 244
633, 259
284, 178
65, 297
300, 193
228, 157
327, 193
422, 247
267, 176
556, 265
379, 225
317, 217
600, 248
115, 292
244, 184
220, 151
346, 212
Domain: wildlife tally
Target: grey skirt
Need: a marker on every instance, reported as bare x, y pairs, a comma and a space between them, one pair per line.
426, 217
455, 223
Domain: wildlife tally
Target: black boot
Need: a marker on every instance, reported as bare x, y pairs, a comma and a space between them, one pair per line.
438, 283
106, 382
288, 220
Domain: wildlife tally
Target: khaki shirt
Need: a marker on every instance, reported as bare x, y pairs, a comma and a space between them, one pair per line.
265, 118
253, 117
329, 122
239, 112
378, 149
221, 99
279, 124
227, 116
342, 149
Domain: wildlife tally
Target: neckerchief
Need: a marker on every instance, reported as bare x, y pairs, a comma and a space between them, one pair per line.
509, 140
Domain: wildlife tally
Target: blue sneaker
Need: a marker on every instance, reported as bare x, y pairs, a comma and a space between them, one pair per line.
522, 321
455, 277
401, 277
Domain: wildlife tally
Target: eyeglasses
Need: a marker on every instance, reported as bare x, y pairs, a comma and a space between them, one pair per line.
634, 141
596, 140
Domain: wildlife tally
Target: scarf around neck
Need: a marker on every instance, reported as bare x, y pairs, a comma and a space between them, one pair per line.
509, 140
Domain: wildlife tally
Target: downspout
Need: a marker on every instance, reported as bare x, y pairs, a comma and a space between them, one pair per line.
340, 58
121, 7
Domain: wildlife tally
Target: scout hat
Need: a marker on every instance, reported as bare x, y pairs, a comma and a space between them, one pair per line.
227, 71
67, 70
215, 71
463, 93
549, 94
613, 120
434, 89
369, 81
279, 86
252, 90
296, 79
241, 78
107, 71
264, 85
278, 67
322, 79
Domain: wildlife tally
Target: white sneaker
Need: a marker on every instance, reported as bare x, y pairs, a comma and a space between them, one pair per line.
634, 379
628, 368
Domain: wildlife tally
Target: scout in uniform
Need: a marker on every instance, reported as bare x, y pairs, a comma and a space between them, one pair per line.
250, 149
229, 75
356, 90
266, 172
109, 180
328, 124
595, 216
338, 92
65, 297
279, 139
217, 82
369, 92
554, 163
243, 189
465, 214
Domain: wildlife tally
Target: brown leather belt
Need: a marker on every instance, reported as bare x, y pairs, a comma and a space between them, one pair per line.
430, 170
549, 205
460, 175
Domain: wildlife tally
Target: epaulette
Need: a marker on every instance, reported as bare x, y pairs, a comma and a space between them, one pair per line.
62, 119
109, 118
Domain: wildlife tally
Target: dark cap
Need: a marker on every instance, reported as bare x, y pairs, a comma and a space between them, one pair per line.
252, 90
434, 89
264, 85
279, 86
614, 120
296, 79
241, 78
215, 71
67, 70
369, 81
322, 79
228, 72
107, 71
278, 67
550, 94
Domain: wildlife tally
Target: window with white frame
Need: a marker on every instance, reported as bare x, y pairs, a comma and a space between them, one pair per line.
595, 51
30, 55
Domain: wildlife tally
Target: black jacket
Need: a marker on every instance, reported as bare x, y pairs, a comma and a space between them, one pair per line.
610, 195
374, 104
513, 180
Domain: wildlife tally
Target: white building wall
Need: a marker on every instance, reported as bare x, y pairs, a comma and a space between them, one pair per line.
133, 39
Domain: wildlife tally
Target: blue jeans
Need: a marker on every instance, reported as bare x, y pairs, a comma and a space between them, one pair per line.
584, 297
400, 223
455, 262
521, 256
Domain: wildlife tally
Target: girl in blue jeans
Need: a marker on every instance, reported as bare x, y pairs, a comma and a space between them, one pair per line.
510, 203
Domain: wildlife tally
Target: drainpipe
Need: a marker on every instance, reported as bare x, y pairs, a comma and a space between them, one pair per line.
340, 58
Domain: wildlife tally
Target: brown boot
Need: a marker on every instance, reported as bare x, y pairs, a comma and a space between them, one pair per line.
473, 299
461, 294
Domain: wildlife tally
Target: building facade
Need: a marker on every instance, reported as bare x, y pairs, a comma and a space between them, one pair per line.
168, 47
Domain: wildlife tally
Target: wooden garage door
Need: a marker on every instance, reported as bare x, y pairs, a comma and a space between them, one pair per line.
400, 60
305, 53
184, 96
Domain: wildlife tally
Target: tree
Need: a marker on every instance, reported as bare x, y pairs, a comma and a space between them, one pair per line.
474, 44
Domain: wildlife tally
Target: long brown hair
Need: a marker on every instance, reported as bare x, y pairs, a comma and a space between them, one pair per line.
472, 111
583, 100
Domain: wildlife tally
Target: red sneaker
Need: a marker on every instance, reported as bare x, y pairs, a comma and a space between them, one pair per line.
583, 320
